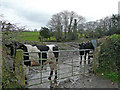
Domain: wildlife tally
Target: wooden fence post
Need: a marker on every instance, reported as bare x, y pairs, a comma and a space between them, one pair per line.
19, 67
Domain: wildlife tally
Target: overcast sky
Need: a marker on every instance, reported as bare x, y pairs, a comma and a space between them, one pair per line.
36, 13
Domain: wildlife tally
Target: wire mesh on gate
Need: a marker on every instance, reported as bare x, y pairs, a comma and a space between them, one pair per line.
68, 65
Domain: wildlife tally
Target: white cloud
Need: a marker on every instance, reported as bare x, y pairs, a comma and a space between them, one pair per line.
36, 13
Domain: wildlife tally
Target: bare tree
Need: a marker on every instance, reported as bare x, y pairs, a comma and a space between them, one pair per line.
105, 26
65, 16
64, 21
55, 24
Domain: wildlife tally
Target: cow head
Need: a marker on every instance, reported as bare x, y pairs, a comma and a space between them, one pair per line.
82, 46
13, 46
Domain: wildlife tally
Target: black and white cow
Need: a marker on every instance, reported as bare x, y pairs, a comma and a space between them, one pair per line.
87, 47
49, 54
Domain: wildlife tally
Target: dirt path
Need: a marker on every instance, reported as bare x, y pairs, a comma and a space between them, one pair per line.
80, 81
88, 81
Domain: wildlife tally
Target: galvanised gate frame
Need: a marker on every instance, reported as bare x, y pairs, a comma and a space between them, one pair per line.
65, 68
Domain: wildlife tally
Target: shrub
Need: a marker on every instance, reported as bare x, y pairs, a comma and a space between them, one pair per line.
109, 58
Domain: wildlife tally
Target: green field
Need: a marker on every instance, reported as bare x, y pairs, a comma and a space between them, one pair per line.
33, 36
29, 36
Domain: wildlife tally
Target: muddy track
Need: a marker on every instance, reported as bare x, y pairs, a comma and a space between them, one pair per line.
88, 80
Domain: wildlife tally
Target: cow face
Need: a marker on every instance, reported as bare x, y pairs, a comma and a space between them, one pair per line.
82, 46
13, 46
23, 47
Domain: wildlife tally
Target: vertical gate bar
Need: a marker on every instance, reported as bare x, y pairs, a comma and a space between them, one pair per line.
41, 67
84, 63
72, 63
58, 68
84, 70
79, 63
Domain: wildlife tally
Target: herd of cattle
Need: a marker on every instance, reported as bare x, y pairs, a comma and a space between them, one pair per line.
51, 54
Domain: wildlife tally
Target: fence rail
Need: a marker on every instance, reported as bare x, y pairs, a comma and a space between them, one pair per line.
61, 51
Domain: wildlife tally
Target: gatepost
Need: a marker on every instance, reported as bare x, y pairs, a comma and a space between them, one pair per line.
19, 67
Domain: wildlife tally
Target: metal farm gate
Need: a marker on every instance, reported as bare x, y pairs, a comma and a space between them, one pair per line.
68, 66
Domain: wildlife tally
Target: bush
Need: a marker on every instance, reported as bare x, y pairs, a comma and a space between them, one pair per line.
9, 79
109, 58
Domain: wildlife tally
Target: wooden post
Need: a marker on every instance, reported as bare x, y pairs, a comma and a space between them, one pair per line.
19, 67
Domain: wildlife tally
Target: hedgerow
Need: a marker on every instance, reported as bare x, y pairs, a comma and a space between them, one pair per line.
109, 58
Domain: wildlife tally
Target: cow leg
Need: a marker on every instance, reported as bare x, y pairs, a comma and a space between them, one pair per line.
51, 68
26, 79
51, 73
56, 61
44, 62
80, 59
55, 74
55, 79
85, 59
88, 59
